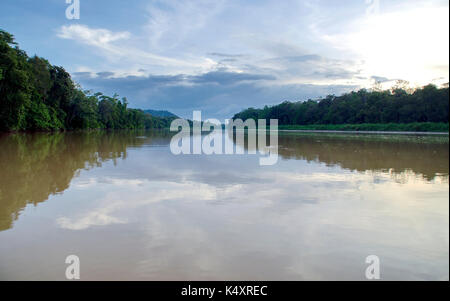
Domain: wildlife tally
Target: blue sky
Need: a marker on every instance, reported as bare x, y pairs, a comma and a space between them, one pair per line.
223, 56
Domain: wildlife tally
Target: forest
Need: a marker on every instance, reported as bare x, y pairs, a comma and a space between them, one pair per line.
35, 95
426, 107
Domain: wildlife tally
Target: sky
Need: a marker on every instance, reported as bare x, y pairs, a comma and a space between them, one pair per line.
224, 56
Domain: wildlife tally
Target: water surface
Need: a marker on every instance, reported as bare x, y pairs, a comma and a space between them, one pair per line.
130, 210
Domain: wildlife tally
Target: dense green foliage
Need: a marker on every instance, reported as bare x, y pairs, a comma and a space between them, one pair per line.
42, 164
160, 113
35, 95
425, 105
402, 127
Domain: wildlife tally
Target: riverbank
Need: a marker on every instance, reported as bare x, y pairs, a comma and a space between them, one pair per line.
419, 127
368, 132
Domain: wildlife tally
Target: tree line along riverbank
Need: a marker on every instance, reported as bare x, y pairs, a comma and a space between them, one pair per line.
425, 109
380, 127
36, 95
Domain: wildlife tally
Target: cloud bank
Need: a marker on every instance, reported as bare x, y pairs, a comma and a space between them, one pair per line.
222, 56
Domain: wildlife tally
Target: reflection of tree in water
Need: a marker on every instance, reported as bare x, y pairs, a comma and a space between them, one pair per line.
428, 159
398, 155
35, 166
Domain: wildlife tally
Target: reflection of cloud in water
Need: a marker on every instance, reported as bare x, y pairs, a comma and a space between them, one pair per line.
91, 219
279, 191
189, 239
158, 216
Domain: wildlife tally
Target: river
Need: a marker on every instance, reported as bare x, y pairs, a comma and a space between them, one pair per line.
131, 210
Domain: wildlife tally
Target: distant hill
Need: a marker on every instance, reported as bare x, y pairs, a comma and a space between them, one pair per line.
157, 113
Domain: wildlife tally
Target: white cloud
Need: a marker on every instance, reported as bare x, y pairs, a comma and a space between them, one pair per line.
124, 54
171, 22
405, 40
408, 42
101, 38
